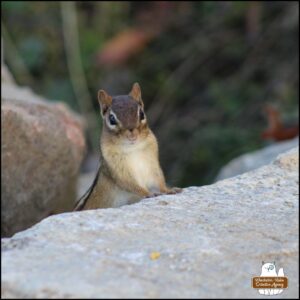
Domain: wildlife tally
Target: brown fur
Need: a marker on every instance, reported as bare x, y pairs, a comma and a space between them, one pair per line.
130, 168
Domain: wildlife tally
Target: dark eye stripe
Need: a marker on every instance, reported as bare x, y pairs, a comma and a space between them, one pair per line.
112, 120
142, 115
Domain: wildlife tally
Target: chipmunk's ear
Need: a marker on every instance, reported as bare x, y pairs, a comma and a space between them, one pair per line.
136, 93
104, 100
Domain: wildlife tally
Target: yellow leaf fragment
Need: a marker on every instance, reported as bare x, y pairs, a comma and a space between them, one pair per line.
154, 255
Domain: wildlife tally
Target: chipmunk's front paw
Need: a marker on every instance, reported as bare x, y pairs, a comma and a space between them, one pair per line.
154, 195
174, 190
177, 190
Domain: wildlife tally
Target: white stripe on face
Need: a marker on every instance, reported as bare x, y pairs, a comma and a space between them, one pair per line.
109, 125
144, 120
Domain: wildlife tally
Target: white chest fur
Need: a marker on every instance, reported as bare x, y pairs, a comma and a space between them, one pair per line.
142, 166
143, 169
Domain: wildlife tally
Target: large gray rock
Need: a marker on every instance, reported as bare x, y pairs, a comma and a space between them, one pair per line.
256, 159
206, 242
42, 145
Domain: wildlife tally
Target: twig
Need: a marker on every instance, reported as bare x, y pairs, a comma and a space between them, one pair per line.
14, 60
71, 41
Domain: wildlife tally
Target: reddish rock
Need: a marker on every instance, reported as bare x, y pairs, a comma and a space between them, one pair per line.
41, 151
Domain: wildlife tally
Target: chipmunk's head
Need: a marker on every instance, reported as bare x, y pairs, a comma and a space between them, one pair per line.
123, 116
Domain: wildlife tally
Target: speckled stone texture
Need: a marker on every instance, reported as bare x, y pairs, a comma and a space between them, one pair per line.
211, 241
42, 146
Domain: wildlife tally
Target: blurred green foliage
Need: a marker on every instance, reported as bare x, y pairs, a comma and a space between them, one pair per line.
205, 76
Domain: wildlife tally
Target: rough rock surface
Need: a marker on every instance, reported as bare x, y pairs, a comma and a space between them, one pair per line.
42, 147
256, 159
206, 242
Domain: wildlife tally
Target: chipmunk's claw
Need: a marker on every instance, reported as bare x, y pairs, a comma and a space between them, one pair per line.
154, 195
174, 190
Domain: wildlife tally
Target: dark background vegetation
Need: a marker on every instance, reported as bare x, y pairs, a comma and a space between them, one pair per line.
207, 69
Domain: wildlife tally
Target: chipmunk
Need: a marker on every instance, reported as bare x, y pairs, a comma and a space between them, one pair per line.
130, 168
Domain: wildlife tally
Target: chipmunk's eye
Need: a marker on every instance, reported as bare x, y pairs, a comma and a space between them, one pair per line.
142, 115
112, 120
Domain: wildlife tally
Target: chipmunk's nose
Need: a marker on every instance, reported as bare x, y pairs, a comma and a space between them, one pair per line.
132, 134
